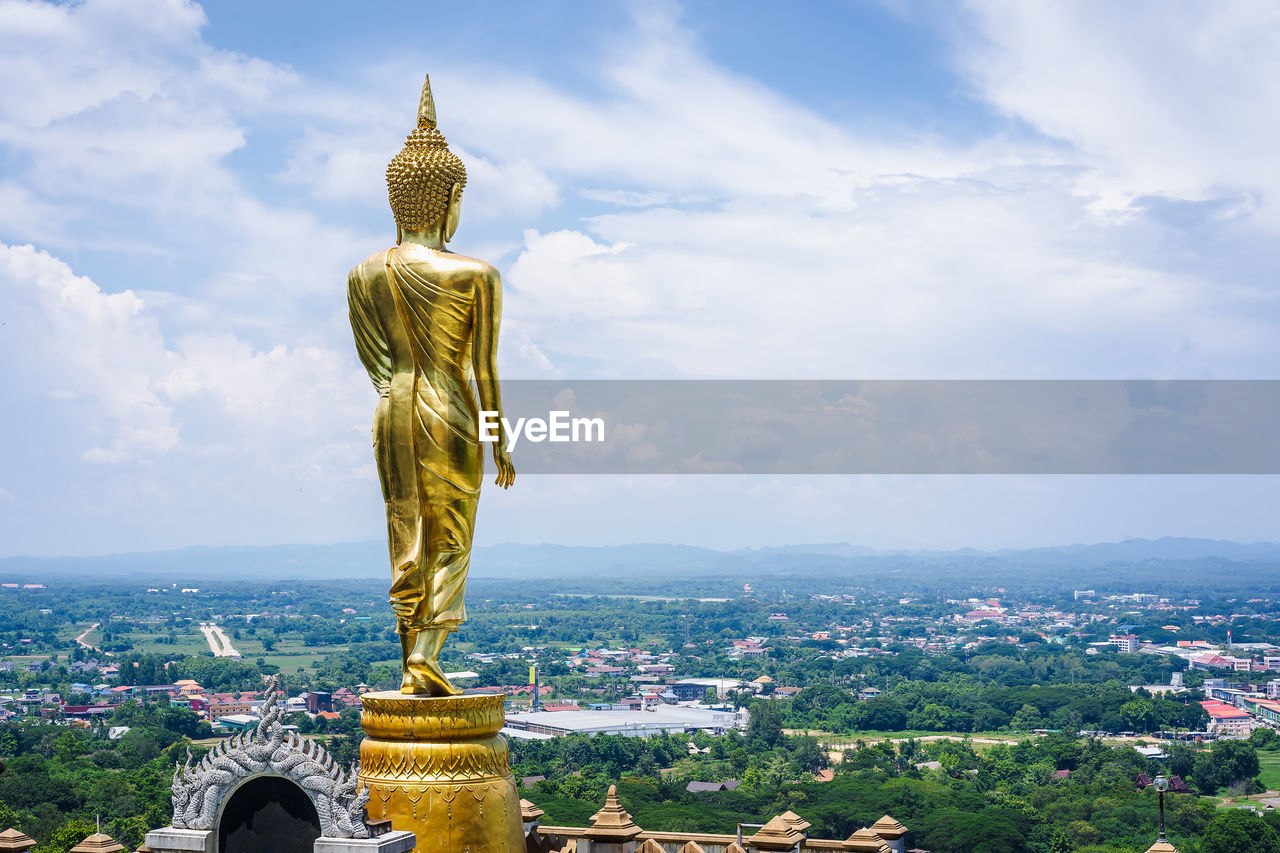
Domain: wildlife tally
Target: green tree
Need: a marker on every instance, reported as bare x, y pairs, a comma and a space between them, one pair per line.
811, 756
1181, 759
1239, 831
881, 714
67, 836
8, 817
1027, 719
932, 718
1264, 739
1205, 774
1139, 715
765, 723
1233, 761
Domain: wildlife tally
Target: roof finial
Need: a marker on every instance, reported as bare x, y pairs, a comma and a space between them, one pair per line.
426, 105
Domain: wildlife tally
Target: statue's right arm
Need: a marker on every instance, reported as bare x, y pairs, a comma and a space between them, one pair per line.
371, 341
484, 356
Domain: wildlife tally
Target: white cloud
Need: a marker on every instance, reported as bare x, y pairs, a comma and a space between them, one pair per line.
78, 342
625, 198
995, 274
120, 132
1163, 98
94, 369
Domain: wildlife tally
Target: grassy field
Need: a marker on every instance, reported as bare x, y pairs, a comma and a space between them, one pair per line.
290, 655
1269, 761
92, 638
186, 642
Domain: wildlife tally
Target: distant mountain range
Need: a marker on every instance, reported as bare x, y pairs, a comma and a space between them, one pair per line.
1182, 558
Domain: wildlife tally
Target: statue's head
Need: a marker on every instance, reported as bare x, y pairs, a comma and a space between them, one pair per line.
425, 180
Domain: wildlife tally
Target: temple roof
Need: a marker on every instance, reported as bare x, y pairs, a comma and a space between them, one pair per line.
1162, 847
99, 842
888, 829
796, 821
866, 841
15, 840
778, 834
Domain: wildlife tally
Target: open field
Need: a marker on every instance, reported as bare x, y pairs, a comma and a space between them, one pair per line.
87, 638
186, 642
290, 663
1269, 762
289, 653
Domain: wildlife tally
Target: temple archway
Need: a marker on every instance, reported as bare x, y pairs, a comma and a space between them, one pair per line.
268, 814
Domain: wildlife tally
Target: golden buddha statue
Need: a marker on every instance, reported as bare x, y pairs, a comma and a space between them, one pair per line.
426, 324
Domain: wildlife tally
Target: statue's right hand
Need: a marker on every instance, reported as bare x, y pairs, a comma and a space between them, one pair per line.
506, 470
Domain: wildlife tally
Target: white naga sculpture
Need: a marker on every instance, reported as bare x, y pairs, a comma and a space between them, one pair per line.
268, 750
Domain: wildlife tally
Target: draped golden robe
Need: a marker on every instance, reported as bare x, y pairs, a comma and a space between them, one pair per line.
412, 311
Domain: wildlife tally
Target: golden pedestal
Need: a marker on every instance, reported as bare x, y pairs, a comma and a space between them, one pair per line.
438, 767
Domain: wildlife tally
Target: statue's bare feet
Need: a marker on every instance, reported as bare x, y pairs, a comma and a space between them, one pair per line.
422, 673
423, 676
409, 684
441, 685
412, 685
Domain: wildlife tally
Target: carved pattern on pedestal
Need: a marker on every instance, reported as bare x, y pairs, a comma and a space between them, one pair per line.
269, 750
435, 719
462, 761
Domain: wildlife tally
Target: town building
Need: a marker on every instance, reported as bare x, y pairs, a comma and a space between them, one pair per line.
1227, 719
659, 718
1125, 643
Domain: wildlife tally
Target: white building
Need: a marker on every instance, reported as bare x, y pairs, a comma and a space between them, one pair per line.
1125, 643
661, 718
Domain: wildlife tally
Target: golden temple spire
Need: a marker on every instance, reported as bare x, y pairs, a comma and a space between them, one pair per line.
426, 105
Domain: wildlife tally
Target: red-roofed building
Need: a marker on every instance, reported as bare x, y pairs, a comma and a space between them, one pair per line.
981, 615
1211, 661
1227, 719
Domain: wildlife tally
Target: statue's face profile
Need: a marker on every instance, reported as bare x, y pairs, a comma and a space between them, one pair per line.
453, 213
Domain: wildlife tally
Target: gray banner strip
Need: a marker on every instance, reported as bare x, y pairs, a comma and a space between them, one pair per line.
894, 427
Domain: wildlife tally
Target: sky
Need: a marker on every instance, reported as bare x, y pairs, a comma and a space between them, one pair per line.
990, 189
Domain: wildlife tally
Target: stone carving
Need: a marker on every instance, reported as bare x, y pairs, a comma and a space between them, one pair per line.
269, 750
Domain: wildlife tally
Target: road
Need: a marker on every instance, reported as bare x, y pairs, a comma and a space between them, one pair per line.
219, 642
87, 632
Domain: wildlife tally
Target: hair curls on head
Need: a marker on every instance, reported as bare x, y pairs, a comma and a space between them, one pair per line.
420, 177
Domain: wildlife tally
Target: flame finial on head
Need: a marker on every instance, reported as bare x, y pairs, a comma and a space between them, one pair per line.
422, 175
426, 105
